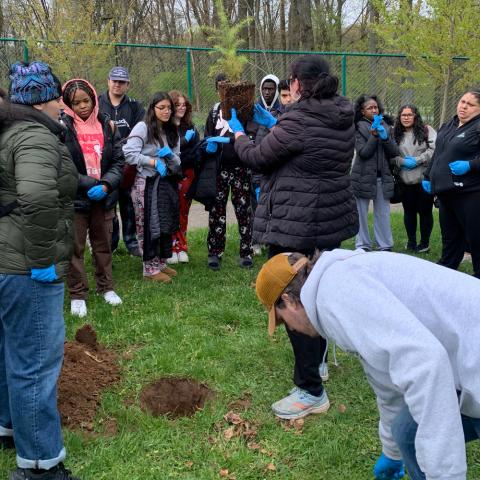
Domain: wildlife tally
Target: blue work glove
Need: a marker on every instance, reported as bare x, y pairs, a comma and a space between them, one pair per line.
459, 167
96, 193
189, 134
44, 275
409, 163
388, 469
212, 143
161, 167
382, 133
234, 122
263, 117
427, 186
164, 152
257, 193
377, 122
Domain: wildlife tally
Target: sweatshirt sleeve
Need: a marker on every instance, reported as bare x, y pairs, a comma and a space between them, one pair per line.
407, 361
425, 157
134, 146
284, 141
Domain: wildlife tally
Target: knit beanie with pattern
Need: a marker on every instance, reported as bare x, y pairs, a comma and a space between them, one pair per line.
33, 83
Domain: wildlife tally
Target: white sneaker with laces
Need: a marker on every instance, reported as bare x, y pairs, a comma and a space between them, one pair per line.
78, 308
173, 259
112, 298
182, 257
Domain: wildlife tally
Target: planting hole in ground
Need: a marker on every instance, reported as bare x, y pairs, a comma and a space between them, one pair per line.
88, 368
175, 397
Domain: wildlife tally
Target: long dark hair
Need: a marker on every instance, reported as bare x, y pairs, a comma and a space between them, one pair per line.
155, 127
186, 120
418, 126
72, 87
313, 73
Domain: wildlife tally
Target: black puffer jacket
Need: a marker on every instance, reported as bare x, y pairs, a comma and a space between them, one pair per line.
111, 164
372, 161
307, 201
456, 143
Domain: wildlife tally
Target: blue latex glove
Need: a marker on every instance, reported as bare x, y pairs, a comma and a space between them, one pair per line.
382, 133
44, 275
263, 117
257, 193
388, 469
377, 122
164, 152
459, 167
212, 143
189, 134
96, 193
234, 122
409, 163
427, 186
161, 167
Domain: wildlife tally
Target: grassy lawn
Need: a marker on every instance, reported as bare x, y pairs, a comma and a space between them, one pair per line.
209, 326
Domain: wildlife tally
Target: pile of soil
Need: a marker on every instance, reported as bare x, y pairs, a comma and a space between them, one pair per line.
88, 368
241, 96
175, 397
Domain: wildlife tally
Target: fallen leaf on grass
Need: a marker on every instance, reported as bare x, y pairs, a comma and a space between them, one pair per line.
242, 403
224, 472
233, 418
229, 433
342, 408
253, 446
189, 464
271, 467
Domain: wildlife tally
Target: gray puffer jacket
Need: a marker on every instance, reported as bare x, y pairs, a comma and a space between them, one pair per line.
372, 160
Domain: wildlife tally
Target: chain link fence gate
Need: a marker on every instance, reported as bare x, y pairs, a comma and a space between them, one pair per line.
161, 67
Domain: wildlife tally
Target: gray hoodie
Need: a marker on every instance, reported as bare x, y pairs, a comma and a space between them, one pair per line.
416, 328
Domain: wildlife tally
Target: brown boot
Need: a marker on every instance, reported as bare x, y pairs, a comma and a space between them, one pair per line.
169, 271
158, 277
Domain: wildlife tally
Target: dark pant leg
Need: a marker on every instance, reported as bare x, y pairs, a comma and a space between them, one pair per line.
308, 351
100, 232
240, 184
424, 208
469, 207
77, 277
127, 214
217, 218
409, 203
453, 235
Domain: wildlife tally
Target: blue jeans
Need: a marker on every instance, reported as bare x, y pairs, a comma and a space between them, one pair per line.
32, 333
404, 431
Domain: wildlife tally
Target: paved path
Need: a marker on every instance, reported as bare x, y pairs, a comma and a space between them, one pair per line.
198, 217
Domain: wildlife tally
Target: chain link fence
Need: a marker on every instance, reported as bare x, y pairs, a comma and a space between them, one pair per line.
156, 67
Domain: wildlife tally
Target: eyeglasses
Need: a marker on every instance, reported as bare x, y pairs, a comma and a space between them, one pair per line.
407, 115
163, 107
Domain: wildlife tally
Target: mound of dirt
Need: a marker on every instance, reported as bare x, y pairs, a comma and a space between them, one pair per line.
175, 397
88, 368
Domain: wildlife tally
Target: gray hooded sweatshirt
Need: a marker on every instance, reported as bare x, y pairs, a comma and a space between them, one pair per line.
416, 328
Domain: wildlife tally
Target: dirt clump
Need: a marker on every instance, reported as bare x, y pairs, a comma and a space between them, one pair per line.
88, 368
239, 95
175, 397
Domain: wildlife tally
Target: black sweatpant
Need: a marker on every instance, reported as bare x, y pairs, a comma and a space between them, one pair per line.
460, 225
417, 202
308, 351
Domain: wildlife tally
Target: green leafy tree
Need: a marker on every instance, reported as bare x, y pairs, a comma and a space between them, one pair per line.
226, 39
431, 33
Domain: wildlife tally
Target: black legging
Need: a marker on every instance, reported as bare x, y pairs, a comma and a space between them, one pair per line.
417, 202
308, 351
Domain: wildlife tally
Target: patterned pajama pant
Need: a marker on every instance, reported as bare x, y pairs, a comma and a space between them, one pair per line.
237, 180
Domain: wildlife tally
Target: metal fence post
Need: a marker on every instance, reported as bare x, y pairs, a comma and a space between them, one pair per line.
344, 75
189, 75
25, 51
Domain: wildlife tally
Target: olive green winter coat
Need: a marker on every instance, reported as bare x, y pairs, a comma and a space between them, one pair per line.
37, 172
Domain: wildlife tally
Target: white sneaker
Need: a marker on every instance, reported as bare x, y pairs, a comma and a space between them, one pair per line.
78, 308
112, 298
173, 259
182, 257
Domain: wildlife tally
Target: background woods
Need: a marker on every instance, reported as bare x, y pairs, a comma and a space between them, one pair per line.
429, 32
